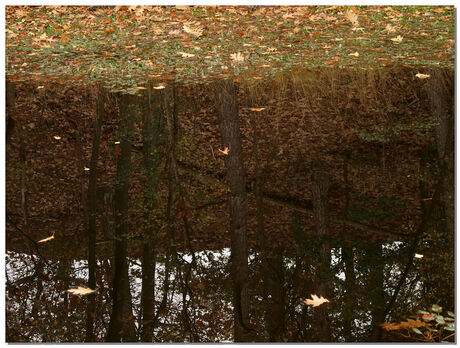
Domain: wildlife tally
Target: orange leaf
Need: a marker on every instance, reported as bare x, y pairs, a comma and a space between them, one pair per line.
224, 151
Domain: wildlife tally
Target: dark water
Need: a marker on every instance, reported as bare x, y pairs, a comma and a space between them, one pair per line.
335, 202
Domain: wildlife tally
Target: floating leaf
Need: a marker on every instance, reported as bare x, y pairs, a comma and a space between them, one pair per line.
160, 86
356, 54
418, 256
57, 137
422, 76
315, 301
46, 239
86, 169
256, 109
224, 151
397, 39
80, 290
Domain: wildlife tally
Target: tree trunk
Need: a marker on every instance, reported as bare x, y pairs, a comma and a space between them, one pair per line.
92, 207
227, 109
376, 291
121, 327
320, 185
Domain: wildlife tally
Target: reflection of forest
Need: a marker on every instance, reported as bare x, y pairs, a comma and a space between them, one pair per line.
332, 182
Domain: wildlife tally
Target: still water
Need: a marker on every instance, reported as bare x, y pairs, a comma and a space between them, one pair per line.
188, 226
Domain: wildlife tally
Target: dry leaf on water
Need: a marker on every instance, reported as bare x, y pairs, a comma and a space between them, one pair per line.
46, 239
256, 109
224, 151
315, 301
80, 290
422, 76
418, 256
356, 54
397, 39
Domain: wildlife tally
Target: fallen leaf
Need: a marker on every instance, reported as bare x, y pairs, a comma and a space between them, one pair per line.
224, 151
418, 256
256, 109
197, 31
160, 86
57, 137
422, 76
80, 290
237, 57
46, 239
356, 54
185, 54
86, 169
352, 17
397, 39
390, 29
315, 300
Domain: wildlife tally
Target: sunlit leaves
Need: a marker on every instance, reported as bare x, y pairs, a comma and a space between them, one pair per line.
80, 290
315, 301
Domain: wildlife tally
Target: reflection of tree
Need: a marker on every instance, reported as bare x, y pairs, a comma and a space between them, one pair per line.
320, 184
227, 110
121, 325
92, 210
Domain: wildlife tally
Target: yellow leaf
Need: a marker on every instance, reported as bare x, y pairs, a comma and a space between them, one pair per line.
315, 301
46, 239
397, 39
356, 54
57, 137
224, 151
160, 86
422, 76
256, 109
80, 290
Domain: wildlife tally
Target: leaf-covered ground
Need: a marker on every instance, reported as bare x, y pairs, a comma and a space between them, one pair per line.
125, 46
